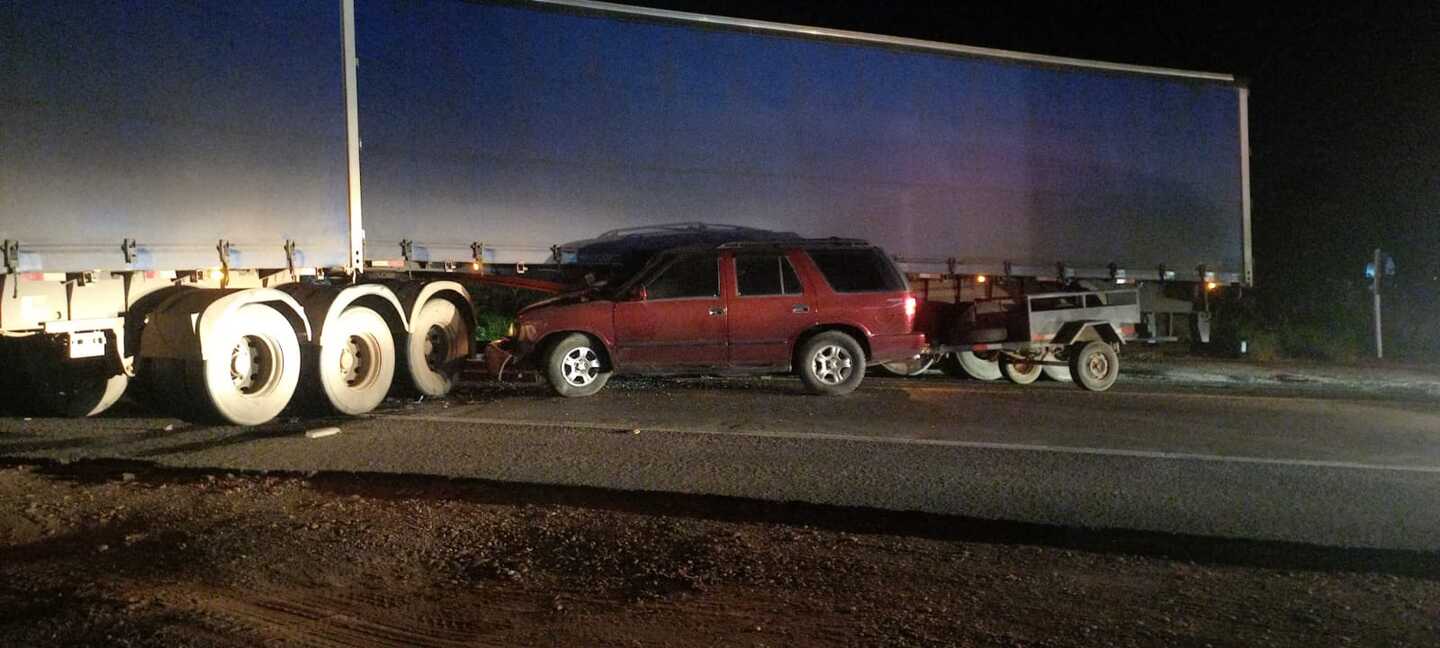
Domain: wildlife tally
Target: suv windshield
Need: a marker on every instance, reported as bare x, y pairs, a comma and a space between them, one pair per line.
858, 270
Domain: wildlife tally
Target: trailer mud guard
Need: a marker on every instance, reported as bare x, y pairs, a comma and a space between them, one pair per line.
179, 327
1087, 330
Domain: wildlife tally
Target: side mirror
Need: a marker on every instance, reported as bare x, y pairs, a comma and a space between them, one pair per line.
638, 293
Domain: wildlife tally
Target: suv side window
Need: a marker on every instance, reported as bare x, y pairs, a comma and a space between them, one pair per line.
858, 270
687, 276
765, 274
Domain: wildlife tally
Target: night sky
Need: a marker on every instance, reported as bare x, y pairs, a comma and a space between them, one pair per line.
1345, 103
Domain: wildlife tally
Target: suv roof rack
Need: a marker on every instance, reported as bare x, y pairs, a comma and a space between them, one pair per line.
798, 242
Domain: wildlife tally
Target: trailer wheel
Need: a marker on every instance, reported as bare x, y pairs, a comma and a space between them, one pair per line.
574, 367
255, 375
1094, 366
1020, 372
1056, 373
965, 364
71, 388
436, 348
831, 364
911, 367
356, 363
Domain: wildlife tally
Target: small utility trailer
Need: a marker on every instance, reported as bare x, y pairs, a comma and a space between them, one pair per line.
1071, 336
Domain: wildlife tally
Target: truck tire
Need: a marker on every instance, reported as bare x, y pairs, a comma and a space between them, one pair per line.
71, 388
575, 366
11, 382
831, 364
908, 368
965, 364
1056, 373
435, 350
253, 378
1020, 372
356, 362
1094, 366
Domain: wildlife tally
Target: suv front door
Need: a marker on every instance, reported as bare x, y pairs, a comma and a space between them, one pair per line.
769, 307
678, 321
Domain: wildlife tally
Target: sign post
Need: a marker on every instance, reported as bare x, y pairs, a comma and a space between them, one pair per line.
1375, 288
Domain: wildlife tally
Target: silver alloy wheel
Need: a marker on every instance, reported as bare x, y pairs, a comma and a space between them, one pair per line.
580, 366
833, 364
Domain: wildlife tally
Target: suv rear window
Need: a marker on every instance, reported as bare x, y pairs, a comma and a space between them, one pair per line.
768, 274
863, 270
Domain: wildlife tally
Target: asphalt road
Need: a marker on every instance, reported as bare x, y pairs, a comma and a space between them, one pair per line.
1326, 467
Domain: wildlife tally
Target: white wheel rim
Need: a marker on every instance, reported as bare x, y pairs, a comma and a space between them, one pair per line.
832, 364
254, 365
358, 361
437, 347
1098, 365
581, 366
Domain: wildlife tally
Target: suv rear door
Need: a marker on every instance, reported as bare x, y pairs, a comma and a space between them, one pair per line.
865, 287
769, 307
679, 323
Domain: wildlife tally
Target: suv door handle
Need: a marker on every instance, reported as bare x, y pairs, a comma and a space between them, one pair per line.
717, 310
799, 308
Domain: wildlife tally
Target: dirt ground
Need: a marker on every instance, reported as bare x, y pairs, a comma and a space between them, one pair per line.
96, 554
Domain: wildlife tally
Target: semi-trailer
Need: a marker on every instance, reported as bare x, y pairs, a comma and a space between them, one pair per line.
182, 183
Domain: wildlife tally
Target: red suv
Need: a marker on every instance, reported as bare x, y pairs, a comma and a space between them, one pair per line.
824, 309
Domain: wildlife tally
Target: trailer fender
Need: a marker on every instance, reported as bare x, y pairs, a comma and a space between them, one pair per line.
180, 326
331, 303
1087, 330
413, 296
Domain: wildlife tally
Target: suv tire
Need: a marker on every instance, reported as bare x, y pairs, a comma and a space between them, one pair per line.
575, 366
831, 364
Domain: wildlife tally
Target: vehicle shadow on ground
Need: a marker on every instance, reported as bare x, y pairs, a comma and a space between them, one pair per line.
1204, 550
778, 385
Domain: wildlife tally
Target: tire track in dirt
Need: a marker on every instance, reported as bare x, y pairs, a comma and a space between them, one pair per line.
347, 619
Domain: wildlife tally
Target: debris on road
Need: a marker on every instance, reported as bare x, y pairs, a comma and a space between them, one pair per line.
318, 433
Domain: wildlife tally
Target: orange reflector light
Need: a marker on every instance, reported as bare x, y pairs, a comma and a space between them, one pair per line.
910, 306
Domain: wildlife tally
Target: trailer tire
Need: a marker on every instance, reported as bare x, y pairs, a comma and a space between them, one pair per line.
965, 364
71, 389
160, 386
435, 350
831, 364
1020, 372
909, 368
1094, 366
574, 366
356, 362
1056, 373
253, 378
986, 335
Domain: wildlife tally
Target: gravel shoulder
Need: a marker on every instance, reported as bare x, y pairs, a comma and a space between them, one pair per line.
135, 555
1367, 378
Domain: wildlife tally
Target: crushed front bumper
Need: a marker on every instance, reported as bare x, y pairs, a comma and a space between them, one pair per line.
506, 358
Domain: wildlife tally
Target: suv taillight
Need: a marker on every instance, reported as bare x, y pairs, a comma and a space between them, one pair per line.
910, 306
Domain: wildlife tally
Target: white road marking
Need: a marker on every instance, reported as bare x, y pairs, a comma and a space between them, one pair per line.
948, 443
1001, 389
